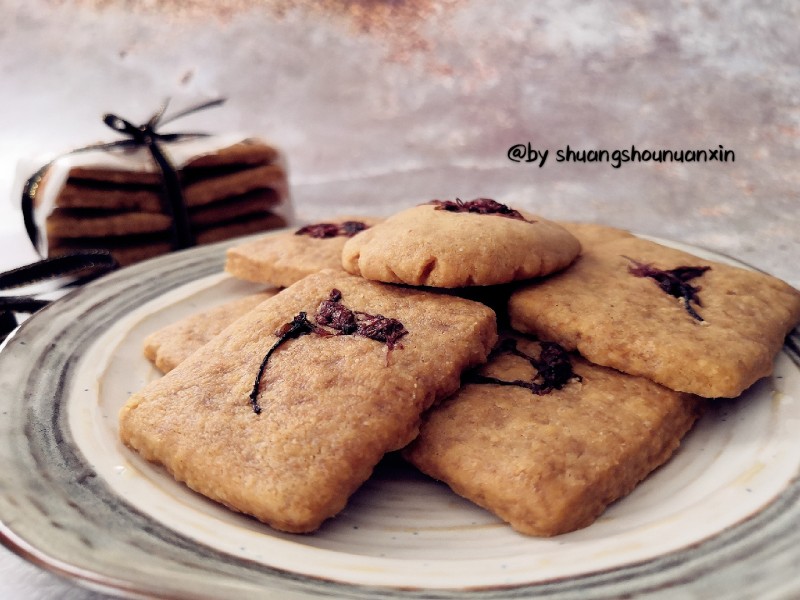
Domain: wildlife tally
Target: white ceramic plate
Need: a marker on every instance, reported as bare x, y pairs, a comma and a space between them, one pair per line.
717, 520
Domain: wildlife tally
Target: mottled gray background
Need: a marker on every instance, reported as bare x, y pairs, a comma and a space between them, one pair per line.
380, 108
382, 105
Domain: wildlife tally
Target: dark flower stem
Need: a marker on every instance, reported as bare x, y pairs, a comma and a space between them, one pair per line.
332, 318
674, 282
553, 368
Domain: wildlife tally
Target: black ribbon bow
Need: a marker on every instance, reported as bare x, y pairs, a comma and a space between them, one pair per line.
145, 135
79, 267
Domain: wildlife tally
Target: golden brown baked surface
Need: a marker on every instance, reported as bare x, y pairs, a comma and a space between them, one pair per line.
169, 346
285, 258
591, 234
616, 319
425, 246
551, 464
331, 406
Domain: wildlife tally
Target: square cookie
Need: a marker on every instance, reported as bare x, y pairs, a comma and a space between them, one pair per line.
549, 464
591, 234
286, 257
330, 405
448, 244
169, 346
714, 338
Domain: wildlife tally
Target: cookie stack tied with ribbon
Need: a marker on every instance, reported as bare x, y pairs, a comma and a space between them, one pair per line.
154, 192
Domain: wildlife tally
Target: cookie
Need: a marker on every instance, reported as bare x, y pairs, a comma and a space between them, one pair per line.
130, 249
690, 324
103, 196
239, 227
591, 234
550, 464
65, 224
457, 244
283, 258
169, 346
324, 409
250, 203
250, 151
212, 189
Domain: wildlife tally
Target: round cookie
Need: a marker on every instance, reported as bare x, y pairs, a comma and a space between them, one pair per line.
459, 244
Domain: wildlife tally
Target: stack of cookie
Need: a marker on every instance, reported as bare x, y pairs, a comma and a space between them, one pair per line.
114, 199
606, 349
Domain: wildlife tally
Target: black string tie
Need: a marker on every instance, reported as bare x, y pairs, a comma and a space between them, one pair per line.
75, 268
138, 136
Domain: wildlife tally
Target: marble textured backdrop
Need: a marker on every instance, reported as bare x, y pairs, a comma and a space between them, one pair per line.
380, 105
